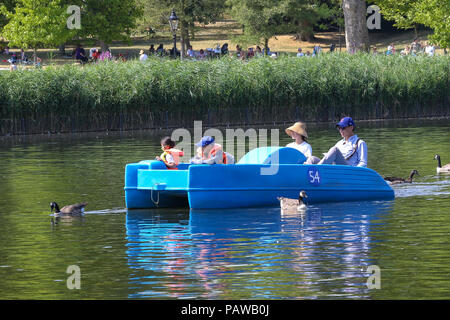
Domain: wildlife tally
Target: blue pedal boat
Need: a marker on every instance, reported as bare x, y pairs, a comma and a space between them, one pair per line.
259, 177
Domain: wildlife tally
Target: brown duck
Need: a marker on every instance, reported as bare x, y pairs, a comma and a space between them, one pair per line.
395, 180
290, 204
73, 209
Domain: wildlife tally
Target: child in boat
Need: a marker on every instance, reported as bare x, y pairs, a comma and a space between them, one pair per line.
210, 152
170, 156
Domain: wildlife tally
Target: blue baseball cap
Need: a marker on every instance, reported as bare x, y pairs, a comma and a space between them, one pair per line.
206, 140
345, 122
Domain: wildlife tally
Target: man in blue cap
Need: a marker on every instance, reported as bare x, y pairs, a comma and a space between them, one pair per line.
351, 150
209, 152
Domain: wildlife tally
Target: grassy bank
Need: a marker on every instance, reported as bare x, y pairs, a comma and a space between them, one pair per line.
163, 93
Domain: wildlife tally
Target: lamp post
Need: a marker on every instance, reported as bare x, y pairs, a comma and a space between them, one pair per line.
173, 21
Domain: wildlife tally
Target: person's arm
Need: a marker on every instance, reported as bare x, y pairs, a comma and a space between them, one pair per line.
362, 153
308, 151
218, 158
170, 162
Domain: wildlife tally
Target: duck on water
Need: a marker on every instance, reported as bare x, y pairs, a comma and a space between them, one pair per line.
440, 168
395, 180
287, 204
72, 210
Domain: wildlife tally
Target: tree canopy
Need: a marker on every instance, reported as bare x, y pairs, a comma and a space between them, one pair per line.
34, 23
30, 23
431, 13
262, 19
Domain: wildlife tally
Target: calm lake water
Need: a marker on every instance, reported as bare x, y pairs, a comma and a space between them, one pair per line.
233, 254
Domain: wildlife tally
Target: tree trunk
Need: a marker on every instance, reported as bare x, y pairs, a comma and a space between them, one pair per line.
307, 32
184, 38
356, 33
62, 49
266, 46
192, 31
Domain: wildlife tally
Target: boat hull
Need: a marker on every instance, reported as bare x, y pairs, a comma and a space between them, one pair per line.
149, 184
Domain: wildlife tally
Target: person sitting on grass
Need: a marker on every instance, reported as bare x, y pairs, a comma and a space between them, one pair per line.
37, 60
142, 56
80, 54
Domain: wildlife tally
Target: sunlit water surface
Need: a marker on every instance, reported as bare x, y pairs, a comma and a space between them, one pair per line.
323, 253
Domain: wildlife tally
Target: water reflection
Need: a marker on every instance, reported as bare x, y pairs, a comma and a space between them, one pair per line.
252, 253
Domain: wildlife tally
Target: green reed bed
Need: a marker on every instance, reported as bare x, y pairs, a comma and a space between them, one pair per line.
162, 92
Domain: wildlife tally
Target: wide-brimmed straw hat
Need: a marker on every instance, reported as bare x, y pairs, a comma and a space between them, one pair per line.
298, 127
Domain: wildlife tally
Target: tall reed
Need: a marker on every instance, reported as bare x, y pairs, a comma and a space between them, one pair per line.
163, 92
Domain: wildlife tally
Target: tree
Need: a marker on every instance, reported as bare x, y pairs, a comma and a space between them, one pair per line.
35, 23
263, 19
435, 14
9, 5
107, 20
157, 13
356, 33
409, 13
399, 11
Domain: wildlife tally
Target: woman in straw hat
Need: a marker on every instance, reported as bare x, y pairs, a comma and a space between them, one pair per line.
298, 133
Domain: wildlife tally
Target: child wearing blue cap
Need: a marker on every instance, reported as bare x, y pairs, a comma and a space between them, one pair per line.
209, 152
351, 150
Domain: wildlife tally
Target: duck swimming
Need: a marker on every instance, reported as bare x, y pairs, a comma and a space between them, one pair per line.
440, 168
289, 204
73, 209
395, 180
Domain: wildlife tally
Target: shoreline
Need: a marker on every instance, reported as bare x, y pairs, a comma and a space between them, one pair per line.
158, 130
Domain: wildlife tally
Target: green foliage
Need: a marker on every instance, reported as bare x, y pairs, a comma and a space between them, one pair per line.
157, 12
436, 15
36, 23
263, 19
9, 5
108, 20
33, 23
319, 88
400, 11
431, 13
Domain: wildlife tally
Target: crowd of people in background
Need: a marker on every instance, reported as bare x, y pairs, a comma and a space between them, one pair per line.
79, 53
414, 49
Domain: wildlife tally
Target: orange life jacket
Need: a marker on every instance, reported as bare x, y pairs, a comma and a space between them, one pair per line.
175, 153
214, 150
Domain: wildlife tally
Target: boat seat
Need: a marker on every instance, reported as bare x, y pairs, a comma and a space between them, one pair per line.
273, 155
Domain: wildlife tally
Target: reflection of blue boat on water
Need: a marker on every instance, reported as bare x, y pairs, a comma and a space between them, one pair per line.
258, 252
261, 176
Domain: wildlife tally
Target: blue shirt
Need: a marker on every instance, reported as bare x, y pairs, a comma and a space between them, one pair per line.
359, 159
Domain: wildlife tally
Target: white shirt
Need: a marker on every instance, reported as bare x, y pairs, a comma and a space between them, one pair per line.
169, 158
359, 159
143, 57
429, 50
303, 147
300, 54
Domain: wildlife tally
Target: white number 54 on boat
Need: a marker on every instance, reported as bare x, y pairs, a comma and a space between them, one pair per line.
314, 177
